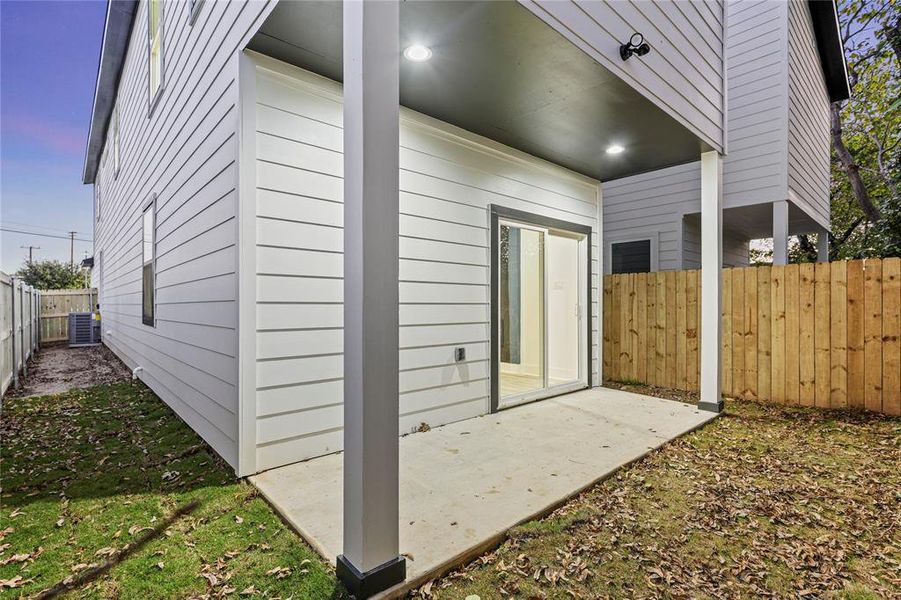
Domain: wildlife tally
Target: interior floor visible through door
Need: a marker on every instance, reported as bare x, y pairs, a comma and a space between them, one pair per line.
515, 384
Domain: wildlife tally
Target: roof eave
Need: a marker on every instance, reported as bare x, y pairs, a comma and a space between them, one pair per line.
824, 15
120, 16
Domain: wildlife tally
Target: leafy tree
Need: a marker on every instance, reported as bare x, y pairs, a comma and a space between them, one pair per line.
866, 138
52, 275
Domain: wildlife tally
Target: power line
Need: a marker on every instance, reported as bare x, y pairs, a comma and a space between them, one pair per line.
61, 237
4, 223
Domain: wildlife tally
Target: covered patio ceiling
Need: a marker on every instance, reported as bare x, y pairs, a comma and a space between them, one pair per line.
499, 71
755, 221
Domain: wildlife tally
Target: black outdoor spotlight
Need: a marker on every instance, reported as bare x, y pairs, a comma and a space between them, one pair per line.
636, 46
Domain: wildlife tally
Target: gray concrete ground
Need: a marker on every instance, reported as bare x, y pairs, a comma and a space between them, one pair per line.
465, 483
57, 368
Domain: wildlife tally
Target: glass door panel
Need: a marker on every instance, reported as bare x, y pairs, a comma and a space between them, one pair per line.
522, 311
564, 300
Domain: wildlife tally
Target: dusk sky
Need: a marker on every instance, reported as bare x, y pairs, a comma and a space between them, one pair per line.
49, 52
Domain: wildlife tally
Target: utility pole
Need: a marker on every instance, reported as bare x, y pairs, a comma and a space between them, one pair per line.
30, 249
72, 250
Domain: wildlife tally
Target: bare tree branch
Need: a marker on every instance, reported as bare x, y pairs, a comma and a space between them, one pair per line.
850, 168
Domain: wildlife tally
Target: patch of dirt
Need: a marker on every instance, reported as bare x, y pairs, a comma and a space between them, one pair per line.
58, 368
656, 392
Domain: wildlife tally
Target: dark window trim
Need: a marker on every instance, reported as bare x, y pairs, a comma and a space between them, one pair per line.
609, 240
155, 98
502, 212
195, 10
151, 320
613, 246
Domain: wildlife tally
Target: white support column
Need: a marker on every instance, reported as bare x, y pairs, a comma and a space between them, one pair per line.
600, 283
711, 277
780, 232
371, 562
823, 246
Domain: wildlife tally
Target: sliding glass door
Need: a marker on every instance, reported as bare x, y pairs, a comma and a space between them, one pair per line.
541, 289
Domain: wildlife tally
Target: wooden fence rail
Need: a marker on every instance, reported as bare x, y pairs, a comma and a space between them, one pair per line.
826, 334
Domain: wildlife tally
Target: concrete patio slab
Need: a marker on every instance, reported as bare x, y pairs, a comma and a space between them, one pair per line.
464, 484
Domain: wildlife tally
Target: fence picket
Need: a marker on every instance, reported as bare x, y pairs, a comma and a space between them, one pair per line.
660, 331
891, 336
807, 324
792, 341
750, 334
838, 326
826, 335
681, 337
872, 347
738, 332
777, 331
855, 337
726, 331
821, 340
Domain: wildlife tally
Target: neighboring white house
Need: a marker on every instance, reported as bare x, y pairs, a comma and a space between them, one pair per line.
782, 76
245, 279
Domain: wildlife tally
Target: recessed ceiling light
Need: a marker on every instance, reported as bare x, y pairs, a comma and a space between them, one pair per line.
615, 149
417, 53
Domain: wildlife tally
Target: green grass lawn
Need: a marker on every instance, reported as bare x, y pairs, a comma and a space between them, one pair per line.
108, 493
763, 502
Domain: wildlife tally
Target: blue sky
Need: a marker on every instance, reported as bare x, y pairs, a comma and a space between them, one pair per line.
49, 53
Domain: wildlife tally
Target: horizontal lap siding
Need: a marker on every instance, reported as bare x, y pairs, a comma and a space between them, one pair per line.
185, 154
808, 125
652, 204
683, 75
447, 182
755, 170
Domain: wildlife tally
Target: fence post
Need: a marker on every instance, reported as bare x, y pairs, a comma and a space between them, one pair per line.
22, 329
38, 317
12, 315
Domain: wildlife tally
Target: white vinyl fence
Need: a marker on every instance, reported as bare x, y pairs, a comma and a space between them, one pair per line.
19, 328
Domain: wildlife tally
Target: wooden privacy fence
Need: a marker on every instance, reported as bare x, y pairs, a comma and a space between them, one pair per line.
19, 328
825, 334
56, 306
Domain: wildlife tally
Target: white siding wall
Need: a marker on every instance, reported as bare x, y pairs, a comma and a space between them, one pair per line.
448, 179
808, 126
777, 132
684, 72
755, 168
653, 206
184, 153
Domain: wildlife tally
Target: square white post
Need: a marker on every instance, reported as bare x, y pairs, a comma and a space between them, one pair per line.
371, 562
711, 277
823, 246
780, 232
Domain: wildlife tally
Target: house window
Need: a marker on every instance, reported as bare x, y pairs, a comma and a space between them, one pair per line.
99, 276
631, 257
115, 121
148, 279
155, 48
195, 10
